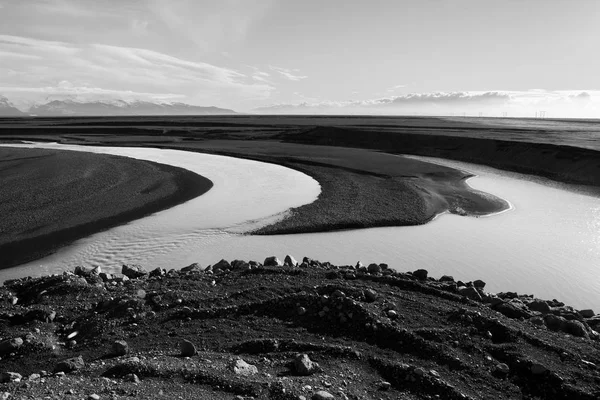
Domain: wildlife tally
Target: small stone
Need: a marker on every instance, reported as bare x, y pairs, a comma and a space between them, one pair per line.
370, 295
4, 396
385, 385
132, 378
301, 310
69, 365
392, 314
93, 396
304, 366
419, 371
502, 368
322, 395
538, 369
272, 261
120, 348
34, 377
241, 367
187, 348
6, 377
10, 346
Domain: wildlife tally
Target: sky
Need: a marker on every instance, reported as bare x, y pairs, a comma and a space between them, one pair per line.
382, 57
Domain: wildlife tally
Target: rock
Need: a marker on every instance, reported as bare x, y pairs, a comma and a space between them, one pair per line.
6, 377
241, 367
479, 284
222, 265
272, 261
539, 305
502, 368
120, 348
10, 346
538, 369
4, 396
447, 278
93, 396
539, 321
555, 322
157, 272
370, 295
385, 385
374, 269
322, 395
587, 313
106, 277
301, 310
132, 378
392, 314
240, 265
304, 366
513, 309
187, 348
195, 267
576, 328
70, 365
470, 293
420, 274
34, 377
133, 271
290, 261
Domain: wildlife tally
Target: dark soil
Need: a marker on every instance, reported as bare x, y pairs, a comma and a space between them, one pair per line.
375, 335
50, 198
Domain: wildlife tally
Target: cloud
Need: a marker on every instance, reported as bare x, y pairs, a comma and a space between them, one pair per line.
496, 103
288, 73
105, 68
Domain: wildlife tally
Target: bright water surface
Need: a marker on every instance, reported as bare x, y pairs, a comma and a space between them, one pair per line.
548, 244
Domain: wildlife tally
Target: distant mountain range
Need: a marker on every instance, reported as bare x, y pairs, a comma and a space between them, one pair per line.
66, 108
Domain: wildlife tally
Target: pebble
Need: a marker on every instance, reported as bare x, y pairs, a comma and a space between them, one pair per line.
187, 348
322, 395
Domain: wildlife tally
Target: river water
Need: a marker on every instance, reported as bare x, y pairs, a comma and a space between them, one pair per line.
547, 244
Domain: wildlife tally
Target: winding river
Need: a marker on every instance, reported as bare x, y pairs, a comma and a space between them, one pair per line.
548, 244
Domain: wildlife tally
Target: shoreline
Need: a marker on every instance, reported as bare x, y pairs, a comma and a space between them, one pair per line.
175, 186
373, 332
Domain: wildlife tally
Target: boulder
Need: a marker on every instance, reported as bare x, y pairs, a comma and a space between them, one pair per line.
420, 274
120, 348
539, 305
187, 348
70, 365
290, 261
241, 367
470, 293
10, 346
513, 309
195, 267
555, 322
447, 278
222, 265
576, 328
240, 265
587, 313
374, 269
133, 271
479, 284
304, 366
272, 261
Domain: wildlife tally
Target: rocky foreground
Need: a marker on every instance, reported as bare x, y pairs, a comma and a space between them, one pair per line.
289, 330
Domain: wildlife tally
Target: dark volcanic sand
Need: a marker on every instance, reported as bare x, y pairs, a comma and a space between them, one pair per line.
50, 198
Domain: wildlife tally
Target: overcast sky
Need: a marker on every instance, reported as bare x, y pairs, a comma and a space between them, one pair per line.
338, 56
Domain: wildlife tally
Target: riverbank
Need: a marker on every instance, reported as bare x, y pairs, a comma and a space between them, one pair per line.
236, 328
53, 197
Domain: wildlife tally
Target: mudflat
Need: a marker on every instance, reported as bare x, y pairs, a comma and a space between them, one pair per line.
52, 197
